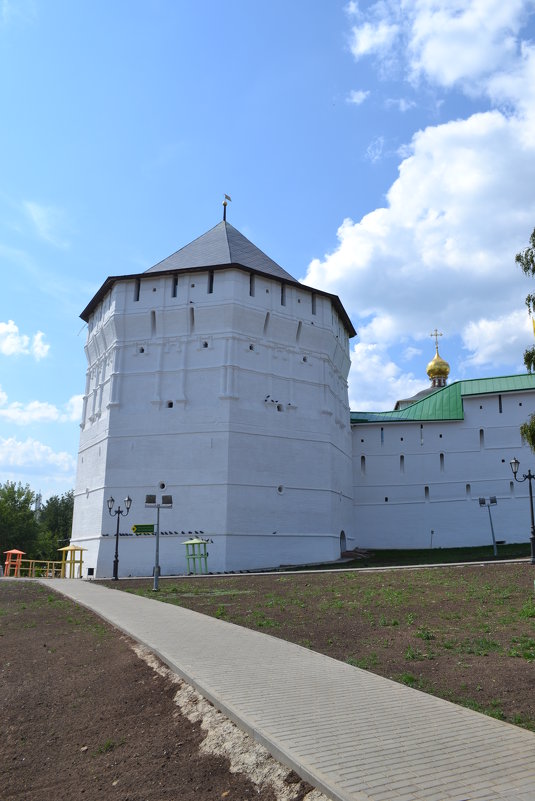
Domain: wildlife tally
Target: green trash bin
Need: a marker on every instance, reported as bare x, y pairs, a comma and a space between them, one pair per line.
196, 555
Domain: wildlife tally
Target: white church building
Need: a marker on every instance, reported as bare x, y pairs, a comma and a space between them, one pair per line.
218, 379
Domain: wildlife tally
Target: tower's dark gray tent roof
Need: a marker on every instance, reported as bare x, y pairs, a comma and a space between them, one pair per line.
219, 248
222, 245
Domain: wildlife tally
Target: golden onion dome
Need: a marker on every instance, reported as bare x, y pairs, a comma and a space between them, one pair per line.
437, 367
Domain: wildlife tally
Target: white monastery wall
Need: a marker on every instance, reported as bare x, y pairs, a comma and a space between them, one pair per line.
411, 478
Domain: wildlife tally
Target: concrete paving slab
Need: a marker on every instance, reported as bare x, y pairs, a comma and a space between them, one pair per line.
354, 735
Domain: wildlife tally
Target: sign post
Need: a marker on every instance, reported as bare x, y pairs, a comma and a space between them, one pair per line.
142, 528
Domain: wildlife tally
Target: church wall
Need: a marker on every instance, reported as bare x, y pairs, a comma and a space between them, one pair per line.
411, 478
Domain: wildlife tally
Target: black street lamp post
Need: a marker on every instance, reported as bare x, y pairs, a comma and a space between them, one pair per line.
515, 464
118, 512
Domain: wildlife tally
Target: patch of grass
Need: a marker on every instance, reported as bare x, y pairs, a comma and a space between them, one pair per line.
528, 609
410, 680
262, 621
479, 646
365, 662
384, 621
526, 723
424, 633
523, 647
108, 746
413, 654
493, 710
430, 556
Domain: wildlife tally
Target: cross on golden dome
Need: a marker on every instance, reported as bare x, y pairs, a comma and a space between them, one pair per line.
437, 369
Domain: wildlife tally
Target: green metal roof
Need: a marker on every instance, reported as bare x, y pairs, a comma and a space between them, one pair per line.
447, 403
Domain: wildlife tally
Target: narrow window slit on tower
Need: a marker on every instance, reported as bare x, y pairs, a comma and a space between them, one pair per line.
210, 281
283, 294
298, 333
137, 286
481, 438
266, 323
401, 464
174, 290
251, 285
313, 301
500, 404
363, 465
191, 319
153, 323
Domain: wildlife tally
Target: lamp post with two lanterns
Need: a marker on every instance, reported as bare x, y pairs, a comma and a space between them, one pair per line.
118, 512
515, 464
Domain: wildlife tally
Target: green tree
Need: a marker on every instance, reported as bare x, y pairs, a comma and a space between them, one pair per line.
526, 260
18, 524
55, 524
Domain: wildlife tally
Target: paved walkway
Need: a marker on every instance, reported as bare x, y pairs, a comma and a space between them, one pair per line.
354, 735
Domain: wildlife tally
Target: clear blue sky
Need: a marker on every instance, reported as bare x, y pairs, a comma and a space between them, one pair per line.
384, 152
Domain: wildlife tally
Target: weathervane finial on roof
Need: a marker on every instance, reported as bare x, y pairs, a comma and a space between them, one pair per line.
227, 197
436, 335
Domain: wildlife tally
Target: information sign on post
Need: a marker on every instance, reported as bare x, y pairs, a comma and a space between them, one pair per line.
143, 528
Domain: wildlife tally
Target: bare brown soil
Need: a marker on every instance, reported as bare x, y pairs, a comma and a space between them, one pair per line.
466, 634
84, 718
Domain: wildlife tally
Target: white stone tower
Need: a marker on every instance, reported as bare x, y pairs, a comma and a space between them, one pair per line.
217, 378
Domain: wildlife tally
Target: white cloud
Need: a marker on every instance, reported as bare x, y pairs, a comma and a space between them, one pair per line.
498, 341
23, 10
46, 220
23, 414
73, 409
374, 151
410, 352
376, 382
444, 41
33, 412
33, 455
13, 343
39, 347
401, 103
357, 96
441, 252
372, 38
452, 40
